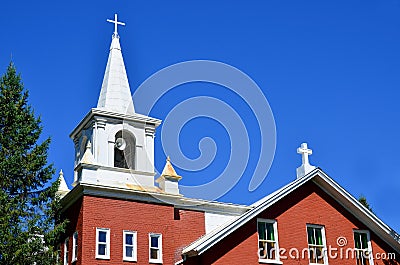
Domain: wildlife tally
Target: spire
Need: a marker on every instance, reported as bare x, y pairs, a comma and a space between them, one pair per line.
62, 188
305, 167
115, 94
169, 179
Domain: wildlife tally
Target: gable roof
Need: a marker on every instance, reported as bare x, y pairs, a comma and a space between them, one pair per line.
328, 185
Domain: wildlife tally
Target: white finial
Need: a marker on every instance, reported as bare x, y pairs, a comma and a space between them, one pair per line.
305, 168
116, 23
62, 188
87, 157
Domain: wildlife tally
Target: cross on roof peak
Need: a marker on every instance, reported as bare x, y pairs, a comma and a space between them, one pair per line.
305, 152
116, 23
305, 167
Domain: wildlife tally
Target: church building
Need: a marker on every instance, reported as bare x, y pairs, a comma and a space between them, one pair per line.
120, 214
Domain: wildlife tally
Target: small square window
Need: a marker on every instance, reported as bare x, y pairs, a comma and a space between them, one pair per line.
129, 245
102, 243
155, 248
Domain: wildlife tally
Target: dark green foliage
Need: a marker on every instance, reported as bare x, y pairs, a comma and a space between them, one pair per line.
28, 202
364, 202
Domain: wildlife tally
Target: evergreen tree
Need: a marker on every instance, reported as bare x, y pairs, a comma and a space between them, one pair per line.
29, 225
364, 202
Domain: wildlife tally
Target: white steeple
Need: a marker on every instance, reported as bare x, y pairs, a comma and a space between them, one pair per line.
99, 159
115, 92
305, 168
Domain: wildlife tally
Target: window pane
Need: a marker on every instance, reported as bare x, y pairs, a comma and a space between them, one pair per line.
313, 255
318, 236
319, 255
270, 231
263, 250
154, 241
261, 230
102, 249
129, 239
364, 241
102, 236
129, 251
357, 240
271, 250
310, 233
154, 253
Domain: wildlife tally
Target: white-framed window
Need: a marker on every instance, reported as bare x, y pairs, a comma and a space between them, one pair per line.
155, 248
75, 246
102, 243
316, 244
66, 245
268, 247
362, 247
130, 245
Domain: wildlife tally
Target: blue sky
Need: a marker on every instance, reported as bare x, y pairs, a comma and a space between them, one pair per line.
329, 70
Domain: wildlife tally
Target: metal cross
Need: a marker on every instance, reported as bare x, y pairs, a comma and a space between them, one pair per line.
116, 23
305, 152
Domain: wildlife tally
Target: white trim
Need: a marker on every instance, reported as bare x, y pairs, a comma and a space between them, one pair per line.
134, 245
159, 259
75, 246
113, 115
371, 259
276, 241
149, 196
107, 243
324, 248
66, 252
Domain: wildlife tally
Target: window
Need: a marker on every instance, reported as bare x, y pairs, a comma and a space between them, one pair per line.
124, 150
316, 244
102, 243
363, 249
268, 249
130, 246
75, 246
66, 245
155, 248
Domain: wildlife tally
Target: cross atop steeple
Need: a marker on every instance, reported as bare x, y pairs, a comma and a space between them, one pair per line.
305, 168
116, 23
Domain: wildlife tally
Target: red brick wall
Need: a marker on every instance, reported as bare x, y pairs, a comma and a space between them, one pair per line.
308, 205
119, 215
74, 214
189, 226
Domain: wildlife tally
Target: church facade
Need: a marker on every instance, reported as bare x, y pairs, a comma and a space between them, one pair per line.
120, 214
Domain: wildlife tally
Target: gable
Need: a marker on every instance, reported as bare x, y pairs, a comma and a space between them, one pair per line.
328, 189
309, 204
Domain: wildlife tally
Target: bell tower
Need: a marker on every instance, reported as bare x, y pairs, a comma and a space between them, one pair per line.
114, 145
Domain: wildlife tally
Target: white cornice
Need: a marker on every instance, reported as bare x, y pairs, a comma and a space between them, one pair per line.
115, 115
151, 197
